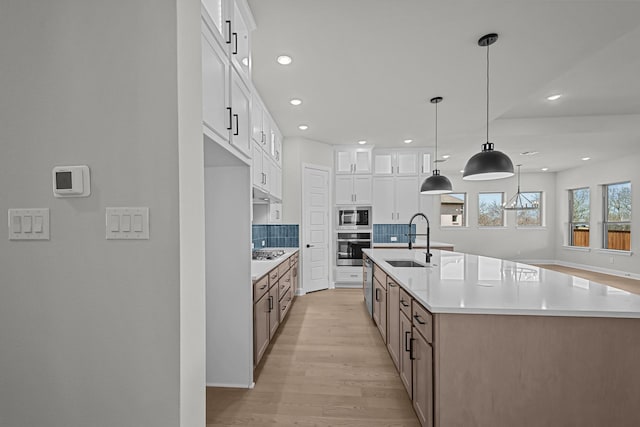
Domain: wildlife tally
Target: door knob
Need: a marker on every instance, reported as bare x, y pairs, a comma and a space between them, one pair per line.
309, 246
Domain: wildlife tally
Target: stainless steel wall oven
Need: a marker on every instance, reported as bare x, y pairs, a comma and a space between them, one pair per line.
349, 246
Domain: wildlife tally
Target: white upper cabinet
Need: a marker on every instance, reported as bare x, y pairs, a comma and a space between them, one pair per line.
215, 87
425, 163
240, 45
353, 190
257, 166
395, 198
350, 161
217, 11
240, 115
389, 162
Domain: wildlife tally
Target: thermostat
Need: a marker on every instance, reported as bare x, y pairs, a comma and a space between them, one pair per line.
71, 181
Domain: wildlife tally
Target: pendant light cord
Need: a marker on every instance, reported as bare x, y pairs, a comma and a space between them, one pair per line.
436, 158
487, 93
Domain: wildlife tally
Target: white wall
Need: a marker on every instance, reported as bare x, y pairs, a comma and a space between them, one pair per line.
229, 291
594, 175
510, 242
297, 151
90, 328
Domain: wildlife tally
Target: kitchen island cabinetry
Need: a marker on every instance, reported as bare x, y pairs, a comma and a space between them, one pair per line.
393, 321
500, 343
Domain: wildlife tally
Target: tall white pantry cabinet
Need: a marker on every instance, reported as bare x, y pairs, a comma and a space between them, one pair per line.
248, 150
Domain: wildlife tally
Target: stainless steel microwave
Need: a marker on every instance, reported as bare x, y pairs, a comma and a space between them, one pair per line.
357, 217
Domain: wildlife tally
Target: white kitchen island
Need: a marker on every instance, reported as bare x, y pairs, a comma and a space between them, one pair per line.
516, 345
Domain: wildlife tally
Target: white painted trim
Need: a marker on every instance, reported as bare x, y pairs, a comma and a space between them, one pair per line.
612, 272
531, 227
300, 292
614, 252
577, 248
536, 261
231, 385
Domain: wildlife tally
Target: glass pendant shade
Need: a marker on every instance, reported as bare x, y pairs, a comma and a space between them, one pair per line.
488, 164
436, 184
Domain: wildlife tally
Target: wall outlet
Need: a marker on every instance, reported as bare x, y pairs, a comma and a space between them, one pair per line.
394, 239
263, 243
252, 245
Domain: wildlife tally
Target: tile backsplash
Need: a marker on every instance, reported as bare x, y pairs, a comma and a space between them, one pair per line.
275, 236
382, 233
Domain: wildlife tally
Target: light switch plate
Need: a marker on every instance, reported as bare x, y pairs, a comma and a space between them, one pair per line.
127, 223
29, 224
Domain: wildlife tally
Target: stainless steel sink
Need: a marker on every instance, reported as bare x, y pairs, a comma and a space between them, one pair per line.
405, 263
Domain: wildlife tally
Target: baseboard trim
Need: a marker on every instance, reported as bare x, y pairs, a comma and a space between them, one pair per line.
610, 271
230, 385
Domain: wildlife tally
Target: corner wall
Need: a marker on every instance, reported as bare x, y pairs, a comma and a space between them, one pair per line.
594, 175
296, 152
90, 328
510, 242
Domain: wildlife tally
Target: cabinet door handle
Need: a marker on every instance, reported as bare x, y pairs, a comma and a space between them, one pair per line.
228, 39
262, 287
235, 48
411, 349
262, 139
230, 118
237, 132
404, 303
406, 341
377, 294
393, 285
270, 304
417, 317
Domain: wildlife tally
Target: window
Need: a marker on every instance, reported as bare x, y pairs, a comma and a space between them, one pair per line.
617, 216
579, 213
531, 217
452, 211
490, 213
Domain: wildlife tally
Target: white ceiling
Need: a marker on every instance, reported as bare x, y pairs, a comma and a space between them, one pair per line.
366, 69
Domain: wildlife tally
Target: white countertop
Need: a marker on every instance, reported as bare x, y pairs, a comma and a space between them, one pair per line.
471, 284
418, 243
260, 268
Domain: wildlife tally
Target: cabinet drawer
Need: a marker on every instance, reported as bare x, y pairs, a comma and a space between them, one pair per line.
273, 277
260, 287
293, 259
379, 274
405, 303
283, 268
422, 321
348, 275
284, 283
285, 304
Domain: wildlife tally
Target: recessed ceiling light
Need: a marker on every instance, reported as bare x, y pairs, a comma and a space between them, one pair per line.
296, 101
544, 169
446, 156
362, 142
554, 97
586, 158
529, 153
303, 127
245, 61
284, 60
408, 141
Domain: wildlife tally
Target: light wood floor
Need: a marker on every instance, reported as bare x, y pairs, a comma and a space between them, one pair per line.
327, 367
627, 284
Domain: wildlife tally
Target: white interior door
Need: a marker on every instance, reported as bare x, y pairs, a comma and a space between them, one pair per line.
315, 243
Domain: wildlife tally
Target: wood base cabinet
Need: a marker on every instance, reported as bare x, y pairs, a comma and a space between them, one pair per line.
393, 321
380, 307
261, 327
422, 378
405, 368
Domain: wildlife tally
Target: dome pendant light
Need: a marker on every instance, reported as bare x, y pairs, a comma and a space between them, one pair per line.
436, 184
519, 202
488, 164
